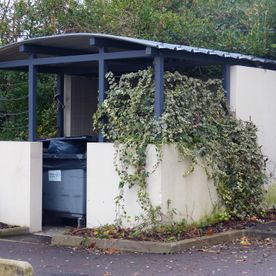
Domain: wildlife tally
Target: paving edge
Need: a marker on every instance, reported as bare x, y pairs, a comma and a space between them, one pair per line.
13, 267
14, 231
158, 247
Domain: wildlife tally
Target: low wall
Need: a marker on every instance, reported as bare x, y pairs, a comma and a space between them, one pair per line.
192, 196
21, 184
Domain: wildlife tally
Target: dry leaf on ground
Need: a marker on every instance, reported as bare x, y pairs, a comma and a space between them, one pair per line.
111, 251
244, 241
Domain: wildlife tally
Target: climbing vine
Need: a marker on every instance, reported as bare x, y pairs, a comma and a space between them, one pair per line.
197, 120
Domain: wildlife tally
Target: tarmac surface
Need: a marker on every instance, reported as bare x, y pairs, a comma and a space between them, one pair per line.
255, 258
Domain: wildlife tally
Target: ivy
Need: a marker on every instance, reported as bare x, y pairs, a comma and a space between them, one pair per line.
198, 121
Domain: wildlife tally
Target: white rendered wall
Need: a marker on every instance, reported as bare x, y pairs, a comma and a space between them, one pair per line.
192, 196
21, 184
253, 97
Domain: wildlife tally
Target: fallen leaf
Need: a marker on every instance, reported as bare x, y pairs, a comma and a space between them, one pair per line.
210, 232
253, 219
111, 251
92, 245
244, 241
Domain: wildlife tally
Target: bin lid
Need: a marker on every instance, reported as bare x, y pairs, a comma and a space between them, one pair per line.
84, 138
67, 145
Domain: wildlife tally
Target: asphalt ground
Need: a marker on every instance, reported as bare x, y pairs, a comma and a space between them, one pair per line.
255, 258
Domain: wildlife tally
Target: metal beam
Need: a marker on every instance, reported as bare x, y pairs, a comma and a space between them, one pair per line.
37, 49
32, 83
226, 81
79, 70
111, 43
102, 82
126, 55
159, 86
75, 58
60, 101
14, 63
66, 59
102, 78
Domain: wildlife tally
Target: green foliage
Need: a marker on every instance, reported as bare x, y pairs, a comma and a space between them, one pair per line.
216, 217
197, 120
14, 106
244, 26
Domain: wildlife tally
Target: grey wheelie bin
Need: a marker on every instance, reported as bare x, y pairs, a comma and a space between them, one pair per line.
64, 177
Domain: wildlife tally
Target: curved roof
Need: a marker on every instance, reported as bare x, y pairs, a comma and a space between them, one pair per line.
81, 42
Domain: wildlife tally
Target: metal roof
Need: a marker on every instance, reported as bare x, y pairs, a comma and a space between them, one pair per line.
80, 41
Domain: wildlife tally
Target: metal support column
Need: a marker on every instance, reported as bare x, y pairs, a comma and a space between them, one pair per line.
32, 83
60, 101
159, 86
102, 81
226, 81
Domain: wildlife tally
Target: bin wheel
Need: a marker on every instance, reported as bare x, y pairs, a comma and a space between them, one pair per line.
81, 222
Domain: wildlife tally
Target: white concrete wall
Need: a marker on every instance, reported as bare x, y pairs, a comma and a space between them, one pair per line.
192, 196
21, 184
253, 97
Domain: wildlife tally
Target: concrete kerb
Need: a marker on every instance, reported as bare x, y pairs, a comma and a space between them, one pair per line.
13, 267
259, 234
14, 231
157, 247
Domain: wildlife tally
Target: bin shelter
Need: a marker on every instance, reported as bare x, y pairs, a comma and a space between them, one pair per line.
92, 54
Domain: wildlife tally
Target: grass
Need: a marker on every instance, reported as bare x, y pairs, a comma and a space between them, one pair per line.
271, 196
